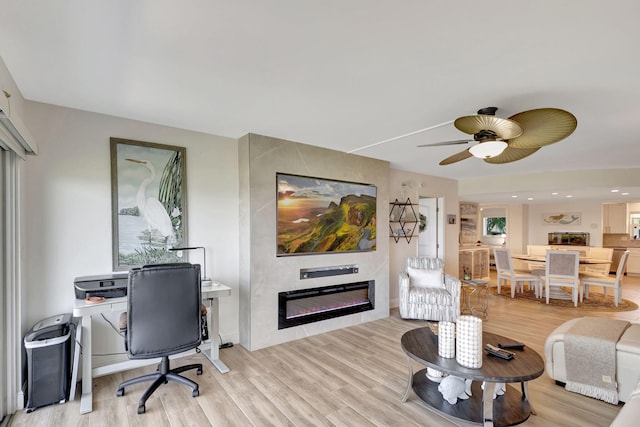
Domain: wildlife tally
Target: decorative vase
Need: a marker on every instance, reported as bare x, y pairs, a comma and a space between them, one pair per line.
469, 341
447, 339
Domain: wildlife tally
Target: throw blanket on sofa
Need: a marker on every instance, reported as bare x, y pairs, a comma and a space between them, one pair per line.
590, 357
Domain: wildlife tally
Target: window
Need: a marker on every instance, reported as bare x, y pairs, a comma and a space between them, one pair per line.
494, 226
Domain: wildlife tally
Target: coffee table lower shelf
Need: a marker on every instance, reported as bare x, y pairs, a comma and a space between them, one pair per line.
508, 409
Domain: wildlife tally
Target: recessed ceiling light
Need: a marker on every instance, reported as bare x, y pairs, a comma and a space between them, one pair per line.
514, 196
614, 191
554, 194
625, 194
530, 198
568, 196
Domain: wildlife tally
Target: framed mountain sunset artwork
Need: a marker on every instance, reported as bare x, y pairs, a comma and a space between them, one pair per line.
319, 215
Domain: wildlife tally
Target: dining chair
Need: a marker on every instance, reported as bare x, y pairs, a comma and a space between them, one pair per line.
506, 272
608, 282
562, 269
537, 250
600, 270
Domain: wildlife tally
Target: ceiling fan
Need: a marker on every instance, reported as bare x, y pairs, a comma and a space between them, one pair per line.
507, 140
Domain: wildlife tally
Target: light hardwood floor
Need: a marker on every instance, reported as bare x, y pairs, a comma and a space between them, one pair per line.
350, 377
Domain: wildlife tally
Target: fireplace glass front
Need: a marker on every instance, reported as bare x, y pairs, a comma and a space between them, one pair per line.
312, 305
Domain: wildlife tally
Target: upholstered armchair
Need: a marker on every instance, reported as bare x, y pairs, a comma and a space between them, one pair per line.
427, 293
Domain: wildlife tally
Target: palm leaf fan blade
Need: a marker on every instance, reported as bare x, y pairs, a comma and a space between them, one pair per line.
543, 126
456, 157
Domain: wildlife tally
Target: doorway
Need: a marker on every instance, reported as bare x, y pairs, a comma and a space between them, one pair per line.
431, 236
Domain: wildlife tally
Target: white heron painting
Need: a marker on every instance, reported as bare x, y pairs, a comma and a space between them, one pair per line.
148, 185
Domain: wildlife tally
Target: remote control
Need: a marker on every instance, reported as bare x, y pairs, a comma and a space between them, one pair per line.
515, 345
495, 351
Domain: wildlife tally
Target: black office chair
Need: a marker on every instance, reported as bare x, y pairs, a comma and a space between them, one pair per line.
163, 318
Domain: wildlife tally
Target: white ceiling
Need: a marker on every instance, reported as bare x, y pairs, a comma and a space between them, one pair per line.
343, 74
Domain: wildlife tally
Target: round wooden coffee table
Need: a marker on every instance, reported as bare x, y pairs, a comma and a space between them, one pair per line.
513, 407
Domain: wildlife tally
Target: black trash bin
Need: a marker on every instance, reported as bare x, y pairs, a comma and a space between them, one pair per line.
48, 348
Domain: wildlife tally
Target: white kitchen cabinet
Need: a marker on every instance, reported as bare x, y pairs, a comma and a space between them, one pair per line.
633, 262
614, 218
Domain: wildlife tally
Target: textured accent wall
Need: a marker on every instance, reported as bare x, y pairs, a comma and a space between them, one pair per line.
263, 274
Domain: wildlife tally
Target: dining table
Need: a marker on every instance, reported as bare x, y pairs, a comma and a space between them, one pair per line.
541, 260
537, 262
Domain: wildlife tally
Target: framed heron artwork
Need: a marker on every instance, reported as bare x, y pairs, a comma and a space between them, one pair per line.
148, 200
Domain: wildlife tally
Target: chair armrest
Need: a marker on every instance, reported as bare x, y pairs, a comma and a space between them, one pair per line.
452, 284
404, 285
403, 280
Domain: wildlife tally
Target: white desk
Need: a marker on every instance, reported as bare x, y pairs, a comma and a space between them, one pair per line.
210, 295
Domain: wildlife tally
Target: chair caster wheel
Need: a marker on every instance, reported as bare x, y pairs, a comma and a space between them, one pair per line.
141, 409
120, 392
195, 393
199, 371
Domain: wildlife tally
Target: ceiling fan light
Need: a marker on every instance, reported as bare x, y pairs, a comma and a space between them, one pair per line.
487, 149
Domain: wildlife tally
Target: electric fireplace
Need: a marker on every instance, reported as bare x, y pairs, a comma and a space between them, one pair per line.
312, 305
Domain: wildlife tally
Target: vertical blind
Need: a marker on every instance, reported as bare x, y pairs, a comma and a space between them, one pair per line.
4, 371
11, 272
15, 144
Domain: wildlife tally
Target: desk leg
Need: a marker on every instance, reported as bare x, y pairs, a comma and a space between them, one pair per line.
86, 401
214, 352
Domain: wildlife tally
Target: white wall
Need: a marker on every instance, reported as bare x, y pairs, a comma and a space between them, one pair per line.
264, 274
525, 225
517, 228
68, 204
416, 185
591, 221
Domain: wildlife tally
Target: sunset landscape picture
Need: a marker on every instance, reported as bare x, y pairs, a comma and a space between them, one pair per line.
317, 215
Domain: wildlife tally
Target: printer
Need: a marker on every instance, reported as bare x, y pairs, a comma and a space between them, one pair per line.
106, 285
